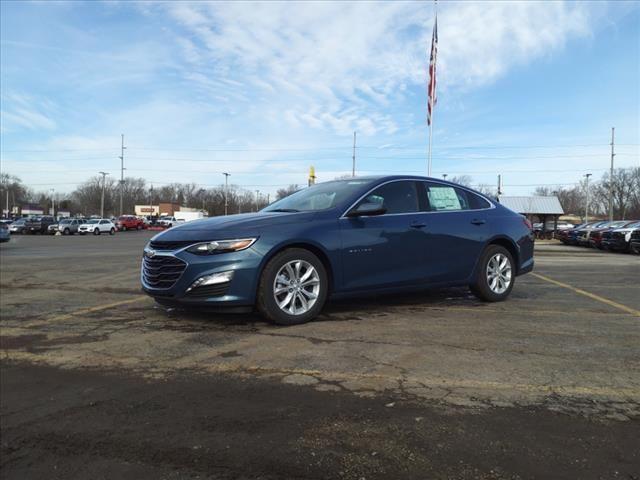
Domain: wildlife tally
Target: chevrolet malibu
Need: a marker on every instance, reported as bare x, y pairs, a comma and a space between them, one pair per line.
358, 236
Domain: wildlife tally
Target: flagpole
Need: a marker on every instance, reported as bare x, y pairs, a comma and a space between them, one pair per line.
430, 136
432, 85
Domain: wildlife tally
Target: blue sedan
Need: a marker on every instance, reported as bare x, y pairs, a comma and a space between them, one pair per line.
346, 237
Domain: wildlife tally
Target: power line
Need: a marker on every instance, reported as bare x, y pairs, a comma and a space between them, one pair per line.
344, 147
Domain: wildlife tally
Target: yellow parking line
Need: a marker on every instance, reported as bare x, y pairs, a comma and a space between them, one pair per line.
97, 308
593, 296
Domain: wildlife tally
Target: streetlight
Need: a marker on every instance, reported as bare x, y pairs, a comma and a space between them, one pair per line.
53, 202
444, 176
226, 190
104, 181
586, 206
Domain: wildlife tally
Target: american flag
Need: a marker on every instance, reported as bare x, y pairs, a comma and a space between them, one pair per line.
432, 72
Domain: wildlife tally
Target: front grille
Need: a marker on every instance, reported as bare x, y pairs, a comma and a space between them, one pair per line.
206, 291
162, 271
160, 245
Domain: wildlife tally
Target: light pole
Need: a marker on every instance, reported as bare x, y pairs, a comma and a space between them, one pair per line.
257, 199
444, 176
226, 192
53, 202
586, 205
122, 169
104, 181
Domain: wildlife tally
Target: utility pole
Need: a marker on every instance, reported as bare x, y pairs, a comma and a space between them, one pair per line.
613, 131
151, 200
122, 147
353, 165
53, 202
257, 198
586, 205
499, 184
268, 198
226, 192
104, 179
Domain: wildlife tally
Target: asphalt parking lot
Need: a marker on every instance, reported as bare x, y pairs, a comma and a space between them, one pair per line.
98, 382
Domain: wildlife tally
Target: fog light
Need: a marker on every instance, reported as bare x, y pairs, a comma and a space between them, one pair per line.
213, 279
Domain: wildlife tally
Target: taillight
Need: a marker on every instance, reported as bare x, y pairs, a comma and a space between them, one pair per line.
527, 223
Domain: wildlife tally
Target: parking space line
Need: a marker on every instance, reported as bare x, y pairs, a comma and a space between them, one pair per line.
593, 296
97, 308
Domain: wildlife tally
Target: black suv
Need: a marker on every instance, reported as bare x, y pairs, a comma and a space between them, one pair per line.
39, 224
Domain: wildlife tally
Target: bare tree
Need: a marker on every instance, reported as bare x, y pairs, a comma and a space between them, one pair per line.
285, 192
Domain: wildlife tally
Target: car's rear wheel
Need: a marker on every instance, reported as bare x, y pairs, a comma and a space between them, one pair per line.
293, 287
112, 231
139, 227
495, 276
96, 231
66, 231
123, 228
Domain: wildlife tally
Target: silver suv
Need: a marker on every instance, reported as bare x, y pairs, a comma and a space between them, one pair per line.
69, 226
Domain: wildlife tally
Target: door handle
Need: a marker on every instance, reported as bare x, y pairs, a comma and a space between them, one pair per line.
478, 221
418, 225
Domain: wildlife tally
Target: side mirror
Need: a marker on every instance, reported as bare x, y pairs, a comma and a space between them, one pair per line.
367, 210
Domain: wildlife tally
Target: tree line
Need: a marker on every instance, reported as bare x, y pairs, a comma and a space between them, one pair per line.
86, 198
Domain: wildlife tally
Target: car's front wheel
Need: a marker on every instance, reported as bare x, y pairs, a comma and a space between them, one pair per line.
293, 287
495, 276
112, 231
96, 231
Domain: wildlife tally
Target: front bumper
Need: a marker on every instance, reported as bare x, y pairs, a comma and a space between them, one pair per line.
240, 291
615, 244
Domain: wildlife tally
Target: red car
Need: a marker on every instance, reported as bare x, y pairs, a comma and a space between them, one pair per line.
130, 222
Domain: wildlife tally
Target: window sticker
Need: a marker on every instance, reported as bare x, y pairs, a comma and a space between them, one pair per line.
443, 198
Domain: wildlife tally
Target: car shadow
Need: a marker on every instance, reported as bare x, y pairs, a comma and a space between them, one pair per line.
336, 310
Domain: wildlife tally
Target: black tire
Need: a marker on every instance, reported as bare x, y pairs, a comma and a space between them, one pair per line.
139, 227
266, 302
96, 231
66, 231
123, 228
112, 231
480, 286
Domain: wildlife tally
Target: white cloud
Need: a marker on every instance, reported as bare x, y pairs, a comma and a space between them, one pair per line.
20, 111
361, 56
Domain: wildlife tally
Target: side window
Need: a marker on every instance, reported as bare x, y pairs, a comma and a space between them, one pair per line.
445, 197
104, 222
396, 197
476, 202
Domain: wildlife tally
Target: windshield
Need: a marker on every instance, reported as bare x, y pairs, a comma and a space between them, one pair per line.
62, 222
617, 224
19, 222
317, 197
91, 222
633, 225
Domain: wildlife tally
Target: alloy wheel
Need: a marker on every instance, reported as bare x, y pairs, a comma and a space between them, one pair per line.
296, 287
499, 273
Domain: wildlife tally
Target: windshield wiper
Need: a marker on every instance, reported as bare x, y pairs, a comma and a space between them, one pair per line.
286, 210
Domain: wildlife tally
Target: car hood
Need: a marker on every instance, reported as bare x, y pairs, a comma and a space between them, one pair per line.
231, 225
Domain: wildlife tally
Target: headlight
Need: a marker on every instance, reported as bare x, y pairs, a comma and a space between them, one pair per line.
221, 246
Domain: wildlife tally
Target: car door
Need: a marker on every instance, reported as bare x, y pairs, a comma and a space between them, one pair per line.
104, 226
384, 250
457, 226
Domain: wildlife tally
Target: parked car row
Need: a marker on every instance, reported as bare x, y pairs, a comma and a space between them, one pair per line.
619, 235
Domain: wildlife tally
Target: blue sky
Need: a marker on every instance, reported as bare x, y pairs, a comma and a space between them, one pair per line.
264, 90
